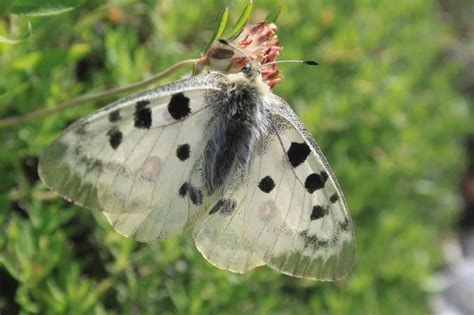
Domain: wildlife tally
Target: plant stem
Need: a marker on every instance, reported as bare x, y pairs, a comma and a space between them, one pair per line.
94, 97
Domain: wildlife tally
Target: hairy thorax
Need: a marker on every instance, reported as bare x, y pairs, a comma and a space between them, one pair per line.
236, 132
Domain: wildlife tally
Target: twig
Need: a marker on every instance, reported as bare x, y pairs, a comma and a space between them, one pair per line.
93, 97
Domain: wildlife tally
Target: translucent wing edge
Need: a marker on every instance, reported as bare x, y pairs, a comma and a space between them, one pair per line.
285, 112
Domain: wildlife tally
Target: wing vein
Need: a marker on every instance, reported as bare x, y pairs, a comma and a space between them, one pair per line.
252, 251
284, 221
234, 214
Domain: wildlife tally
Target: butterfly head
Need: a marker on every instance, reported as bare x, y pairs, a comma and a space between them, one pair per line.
250, 76
251, 70
244, 53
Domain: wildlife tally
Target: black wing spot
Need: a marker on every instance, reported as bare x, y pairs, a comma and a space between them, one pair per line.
318, 212
183, 152
266, 184
114, 116
81, 130
183, 190
115, 137
297, 153
224, 206
142, 104
142, 115
315, 181
334, 197
195, 194
315, 242
345, 225
178, 106
324, 176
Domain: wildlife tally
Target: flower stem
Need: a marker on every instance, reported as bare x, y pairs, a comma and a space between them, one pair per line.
10, 121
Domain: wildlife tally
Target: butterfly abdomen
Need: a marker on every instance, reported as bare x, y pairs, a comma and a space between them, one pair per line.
235, 130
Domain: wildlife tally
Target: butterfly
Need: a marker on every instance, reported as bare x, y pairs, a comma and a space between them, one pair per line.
217, 153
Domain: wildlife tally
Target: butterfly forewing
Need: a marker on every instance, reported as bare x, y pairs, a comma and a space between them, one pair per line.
131, 158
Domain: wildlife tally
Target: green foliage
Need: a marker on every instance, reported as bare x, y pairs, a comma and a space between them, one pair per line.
219, 30
272, 17
381, 105
34, 8
22, 37
43, 7
242, 20
5, 6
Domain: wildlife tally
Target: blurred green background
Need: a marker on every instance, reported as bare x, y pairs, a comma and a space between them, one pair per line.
386, 106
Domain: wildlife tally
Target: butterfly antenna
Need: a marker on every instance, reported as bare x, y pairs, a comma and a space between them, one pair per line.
224, 42
306, 62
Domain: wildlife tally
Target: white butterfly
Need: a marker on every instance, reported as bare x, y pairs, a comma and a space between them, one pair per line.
217, 153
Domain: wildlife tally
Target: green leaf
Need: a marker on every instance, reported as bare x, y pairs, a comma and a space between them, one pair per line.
274, 14
220, 29
7, 96
5, 5
8, 41
44, 7
244, 17
11, 266
56, 291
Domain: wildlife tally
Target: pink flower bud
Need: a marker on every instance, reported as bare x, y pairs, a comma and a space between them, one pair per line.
260, 44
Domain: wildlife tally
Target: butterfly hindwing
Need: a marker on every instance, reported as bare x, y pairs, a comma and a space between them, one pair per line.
321, 234
131, 158
288, 211
220, 235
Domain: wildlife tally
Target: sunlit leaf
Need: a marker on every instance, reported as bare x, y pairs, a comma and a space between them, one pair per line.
44, 7
9, 41
8, 95
274, 14
5, 5
11, 266
220, 29
244, 17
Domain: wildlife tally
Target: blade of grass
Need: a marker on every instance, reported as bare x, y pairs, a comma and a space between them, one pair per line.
274, 14
44, 7
220, 29
95, 96
25, 35
244, 17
